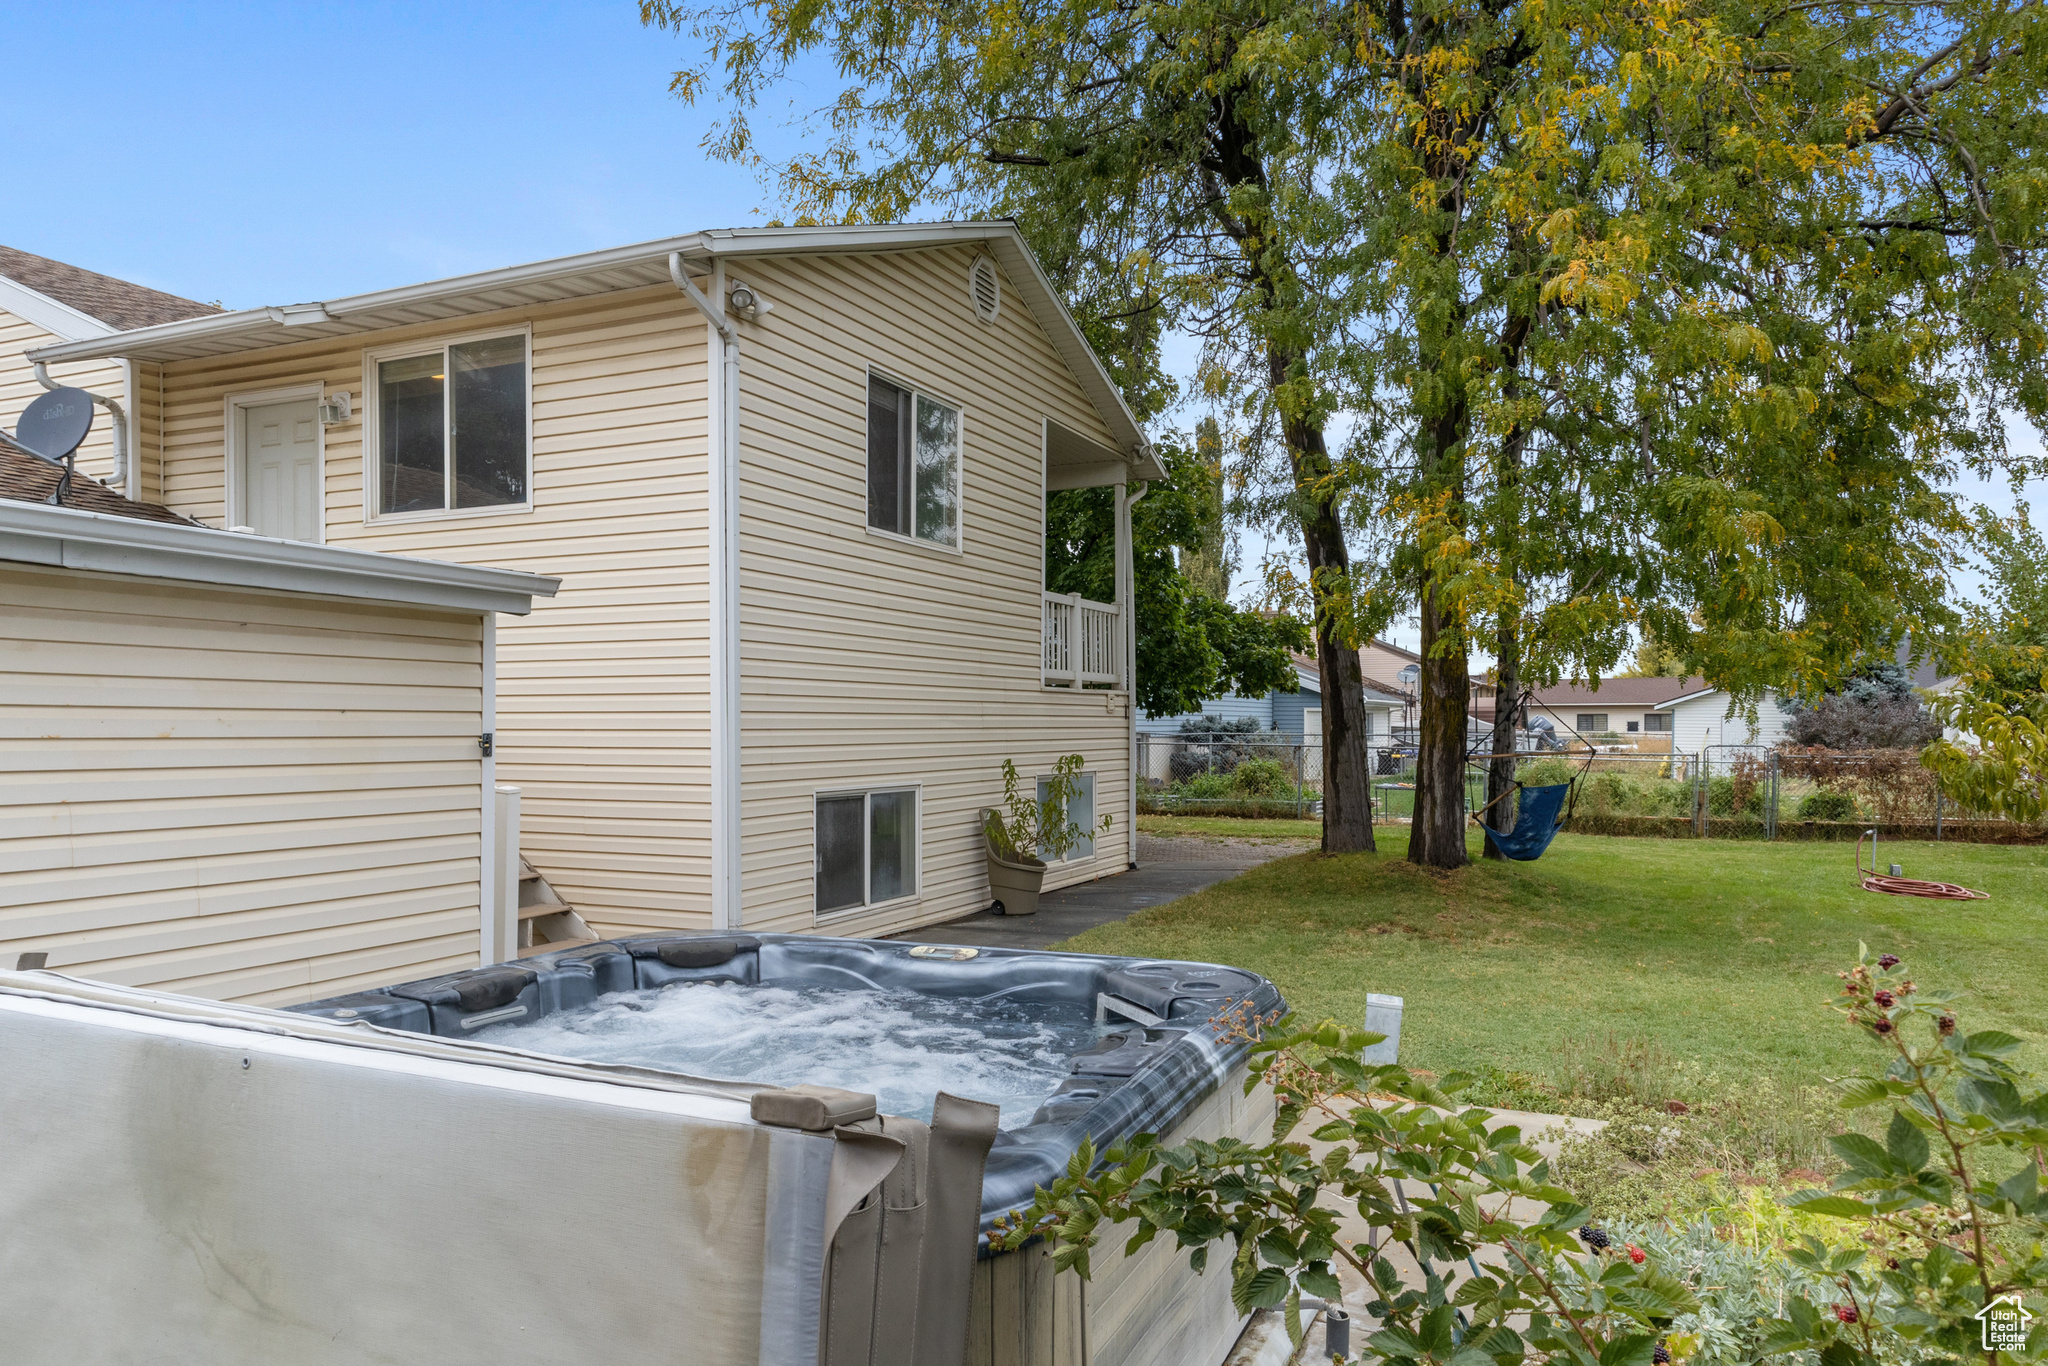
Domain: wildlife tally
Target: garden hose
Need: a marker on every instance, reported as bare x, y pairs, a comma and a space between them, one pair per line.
1874, 881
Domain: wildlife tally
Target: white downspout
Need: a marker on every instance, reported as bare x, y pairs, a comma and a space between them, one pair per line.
724, 396
489, 894
1127, 610
114, 410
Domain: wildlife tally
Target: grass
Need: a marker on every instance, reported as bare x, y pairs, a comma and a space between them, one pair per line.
1716, 955
1230, 827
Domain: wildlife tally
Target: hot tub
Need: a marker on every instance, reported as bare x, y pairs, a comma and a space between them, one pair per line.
1069, 1046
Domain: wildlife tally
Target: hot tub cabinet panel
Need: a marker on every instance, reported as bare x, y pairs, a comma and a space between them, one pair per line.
1149, 1309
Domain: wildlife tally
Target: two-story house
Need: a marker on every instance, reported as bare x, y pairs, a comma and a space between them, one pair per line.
793, 481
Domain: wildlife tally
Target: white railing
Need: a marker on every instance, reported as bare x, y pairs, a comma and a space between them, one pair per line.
1083, 642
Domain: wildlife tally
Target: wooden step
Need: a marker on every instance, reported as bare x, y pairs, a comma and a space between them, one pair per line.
544, 908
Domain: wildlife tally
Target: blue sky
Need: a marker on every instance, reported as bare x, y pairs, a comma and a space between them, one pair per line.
263, 154
268, 154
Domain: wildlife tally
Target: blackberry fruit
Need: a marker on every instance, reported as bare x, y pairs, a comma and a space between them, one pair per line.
1885, 999
1661, 1355
1594, 1238
1890, 960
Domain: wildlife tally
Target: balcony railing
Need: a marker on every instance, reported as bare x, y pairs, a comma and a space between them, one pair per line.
1083, 642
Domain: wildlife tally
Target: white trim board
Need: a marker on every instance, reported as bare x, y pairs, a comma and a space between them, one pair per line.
54, 316
639, 266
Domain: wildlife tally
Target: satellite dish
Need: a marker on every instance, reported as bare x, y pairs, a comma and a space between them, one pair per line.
55, 424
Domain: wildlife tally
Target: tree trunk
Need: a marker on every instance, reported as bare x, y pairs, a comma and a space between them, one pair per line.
1507, 709
1437, 837
1346, 786
1346, 778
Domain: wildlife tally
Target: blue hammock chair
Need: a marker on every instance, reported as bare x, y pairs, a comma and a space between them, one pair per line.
1536, 822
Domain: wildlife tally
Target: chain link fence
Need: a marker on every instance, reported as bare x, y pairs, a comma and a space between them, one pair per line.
1722, 792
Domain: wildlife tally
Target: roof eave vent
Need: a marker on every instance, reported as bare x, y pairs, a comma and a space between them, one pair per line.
985, 289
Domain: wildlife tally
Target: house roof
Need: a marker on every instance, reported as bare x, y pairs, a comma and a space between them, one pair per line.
1391, 648
1311, 673
1619, 692
26, 478
116, 304
619, 268
121, 543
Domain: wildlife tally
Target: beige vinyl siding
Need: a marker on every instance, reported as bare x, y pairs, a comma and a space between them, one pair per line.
871, 662
603, 709
252, 796
18, 388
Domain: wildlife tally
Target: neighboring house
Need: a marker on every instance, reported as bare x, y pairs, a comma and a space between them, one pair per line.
795, 479
1390, 664
238, 767
1708, 716
1618, 710
43, 302
1291, 715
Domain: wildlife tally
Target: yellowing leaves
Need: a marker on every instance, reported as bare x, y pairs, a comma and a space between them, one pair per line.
1747, 342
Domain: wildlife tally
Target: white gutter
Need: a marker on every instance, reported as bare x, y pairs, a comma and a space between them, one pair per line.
113, 407
1127, 608
71, 538
727, 907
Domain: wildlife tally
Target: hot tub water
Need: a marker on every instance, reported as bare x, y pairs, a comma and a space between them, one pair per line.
902, 1046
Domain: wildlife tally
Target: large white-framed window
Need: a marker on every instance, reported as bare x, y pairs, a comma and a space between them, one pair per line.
865, 846
1081, 811
448, 426
914, 463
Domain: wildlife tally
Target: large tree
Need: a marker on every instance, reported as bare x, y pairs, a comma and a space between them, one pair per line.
1662, 313
1690, 309
1173, 167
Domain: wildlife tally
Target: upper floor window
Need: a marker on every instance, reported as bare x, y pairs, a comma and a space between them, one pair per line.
913, 464
452, 426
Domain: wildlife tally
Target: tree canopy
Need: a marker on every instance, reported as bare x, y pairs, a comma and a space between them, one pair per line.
1660, 314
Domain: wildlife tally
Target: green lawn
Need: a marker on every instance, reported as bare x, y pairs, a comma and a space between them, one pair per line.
1719, 951
1229, 827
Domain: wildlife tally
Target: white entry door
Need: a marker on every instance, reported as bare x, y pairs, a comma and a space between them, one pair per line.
281, 470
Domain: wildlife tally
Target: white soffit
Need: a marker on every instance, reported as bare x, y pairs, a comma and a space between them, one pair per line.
639, 266
69, 538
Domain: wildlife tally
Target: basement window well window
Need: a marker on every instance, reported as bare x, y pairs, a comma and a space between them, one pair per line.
866, 847
913, 464
452, 428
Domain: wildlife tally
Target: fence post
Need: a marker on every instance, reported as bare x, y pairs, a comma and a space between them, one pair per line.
1771, 801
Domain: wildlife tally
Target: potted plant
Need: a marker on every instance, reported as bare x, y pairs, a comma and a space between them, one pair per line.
1026, 832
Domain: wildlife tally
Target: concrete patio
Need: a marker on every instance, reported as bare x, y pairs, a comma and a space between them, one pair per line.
1167, 870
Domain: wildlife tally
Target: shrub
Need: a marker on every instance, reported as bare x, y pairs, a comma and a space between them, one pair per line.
1208, 785
1546, 772
1261, 778
1212, 744
1721, 798
1875, 709
1827, 805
